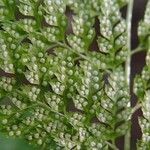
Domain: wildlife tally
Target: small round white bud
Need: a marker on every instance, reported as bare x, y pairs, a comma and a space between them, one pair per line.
29, 137
4, 121
11, 133
39, 142
40, 54
43, 69
96, 86
14, 127
13, 46
36, 135
18, 133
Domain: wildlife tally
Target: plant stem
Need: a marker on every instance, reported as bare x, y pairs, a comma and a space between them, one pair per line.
49, 109
128, 62
135, 108
112, 145
129, 20
137, 50
74, 51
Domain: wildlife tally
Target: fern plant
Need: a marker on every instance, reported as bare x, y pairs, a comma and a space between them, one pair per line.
58, 93
142, 81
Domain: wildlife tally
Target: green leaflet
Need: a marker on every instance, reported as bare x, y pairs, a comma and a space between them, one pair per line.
142, 81
62, 94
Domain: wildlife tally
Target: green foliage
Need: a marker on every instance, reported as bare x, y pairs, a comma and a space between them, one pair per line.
142, 82
56, 86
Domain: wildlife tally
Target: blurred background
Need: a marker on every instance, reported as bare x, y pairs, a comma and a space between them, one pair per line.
14, 144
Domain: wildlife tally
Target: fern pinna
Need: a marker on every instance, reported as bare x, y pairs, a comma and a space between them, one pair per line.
142, 81
56, 91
